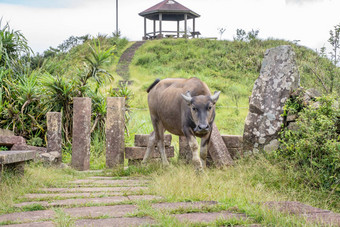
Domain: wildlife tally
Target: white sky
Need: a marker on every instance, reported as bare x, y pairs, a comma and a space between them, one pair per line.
48, 23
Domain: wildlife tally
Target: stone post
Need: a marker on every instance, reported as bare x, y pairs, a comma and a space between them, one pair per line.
279, 77
114, 129
185, 153
54, 134
217, 149
81, 138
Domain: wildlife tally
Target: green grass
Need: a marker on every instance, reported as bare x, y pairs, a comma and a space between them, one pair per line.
36, 176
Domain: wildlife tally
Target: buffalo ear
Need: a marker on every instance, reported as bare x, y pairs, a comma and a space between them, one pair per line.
215, 96
187, 97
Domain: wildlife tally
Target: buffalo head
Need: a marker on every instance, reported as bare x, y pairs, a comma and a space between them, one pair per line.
202, 110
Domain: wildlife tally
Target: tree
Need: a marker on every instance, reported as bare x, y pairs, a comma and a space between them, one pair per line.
334, 40
221, 30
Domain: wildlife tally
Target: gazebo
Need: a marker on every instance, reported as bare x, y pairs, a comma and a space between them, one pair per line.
169, 10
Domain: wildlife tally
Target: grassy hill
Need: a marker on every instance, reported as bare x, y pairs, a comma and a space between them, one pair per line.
229, 66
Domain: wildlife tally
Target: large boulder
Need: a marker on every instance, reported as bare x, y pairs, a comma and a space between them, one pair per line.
279, 77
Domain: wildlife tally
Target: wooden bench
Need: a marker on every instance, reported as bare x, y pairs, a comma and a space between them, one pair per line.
15, 160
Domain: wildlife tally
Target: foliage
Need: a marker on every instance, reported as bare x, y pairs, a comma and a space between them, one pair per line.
313, 148
242, 35
13, 45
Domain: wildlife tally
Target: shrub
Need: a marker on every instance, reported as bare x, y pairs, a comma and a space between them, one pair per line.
313, 148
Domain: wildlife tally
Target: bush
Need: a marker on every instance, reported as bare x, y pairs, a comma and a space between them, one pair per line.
313, 148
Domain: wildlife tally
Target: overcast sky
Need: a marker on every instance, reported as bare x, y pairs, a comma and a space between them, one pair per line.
48, 23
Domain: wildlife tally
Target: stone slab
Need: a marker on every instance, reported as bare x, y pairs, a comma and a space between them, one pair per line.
7, 157
93, 212
141, 140
208, 217
83, 201
133, 153
28, 216
312, 214
113, 222
34, 224
233, 141
11, 140
6, 132
110, 182
74, 195
94, 189
186, 205
217, 149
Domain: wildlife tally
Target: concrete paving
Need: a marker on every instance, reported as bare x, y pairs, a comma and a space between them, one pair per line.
94, 207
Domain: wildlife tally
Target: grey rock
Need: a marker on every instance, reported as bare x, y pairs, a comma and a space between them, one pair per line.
279, 77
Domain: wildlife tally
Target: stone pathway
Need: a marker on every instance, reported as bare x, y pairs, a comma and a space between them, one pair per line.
127, 202
125, 60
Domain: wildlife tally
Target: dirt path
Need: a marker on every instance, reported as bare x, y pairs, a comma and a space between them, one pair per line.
108, 201
125, 60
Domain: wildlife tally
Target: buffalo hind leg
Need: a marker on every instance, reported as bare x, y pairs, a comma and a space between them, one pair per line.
151, 147
159, 130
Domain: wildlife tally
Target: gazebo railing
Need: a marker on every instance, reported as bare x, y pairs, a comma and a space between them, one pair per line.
170, 34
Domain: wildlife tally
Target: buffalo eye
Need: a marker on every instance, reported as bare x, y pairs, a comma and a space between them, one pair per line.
194, 109
209, 107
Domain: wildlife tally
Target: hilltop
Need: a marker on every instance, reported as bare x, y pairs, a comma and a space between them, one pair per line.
229, 66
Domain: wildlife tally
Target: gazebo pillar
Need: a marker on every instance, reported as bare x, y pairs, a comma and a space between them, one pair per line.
160, 24
154, 28
144, 27
185, 24
178, 29
193, 27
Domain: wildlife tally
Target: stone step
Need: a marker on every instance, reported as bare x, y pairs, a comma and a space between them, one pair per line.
208, 217
95, 212
75, 195
110, 182
93, 189
312, 214
116, 222
84, 201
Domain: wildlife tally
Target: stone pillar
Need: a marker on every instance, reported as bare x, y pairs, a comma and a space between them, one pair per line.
185, 153
217, 149
279, 77
114, 129
81, 136
54, 134
194, 27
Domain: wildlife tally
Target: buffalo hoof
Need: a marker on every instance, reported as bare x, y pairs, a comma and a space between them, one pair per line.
165, 163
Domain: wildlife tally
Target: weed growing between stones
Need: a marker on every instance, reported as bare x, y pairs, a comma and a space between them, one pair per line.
63, 219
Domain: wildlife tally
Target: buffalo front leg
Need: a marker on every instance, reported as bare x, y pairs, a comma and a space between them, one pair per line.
194, 149
204, 149
151, 147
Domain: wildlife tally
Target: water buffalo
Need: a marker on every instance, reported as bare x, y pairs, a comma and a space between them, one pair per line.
184, 107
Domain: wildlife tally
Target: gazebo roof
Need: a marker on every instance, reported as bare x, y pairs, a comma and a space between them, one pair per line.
171, 11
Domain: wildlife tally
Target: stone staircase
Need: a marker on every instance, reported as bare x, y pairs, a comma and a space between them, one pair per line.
125, 60
124, 201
